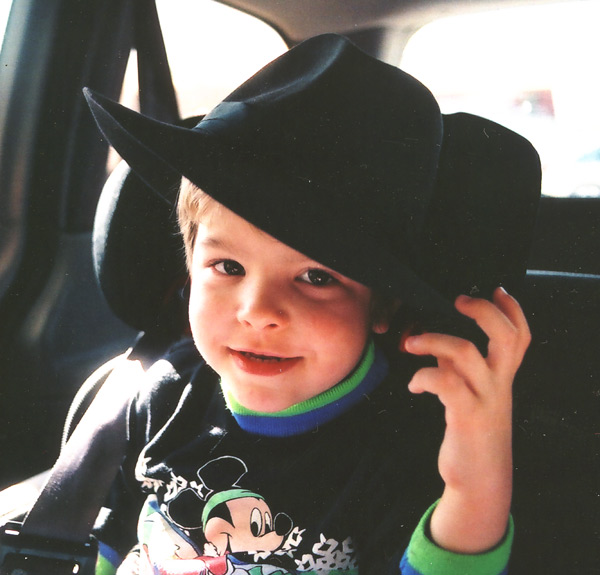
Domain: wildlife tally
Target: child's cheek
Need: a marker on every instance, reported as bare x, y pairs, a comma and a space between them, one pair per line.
201, 310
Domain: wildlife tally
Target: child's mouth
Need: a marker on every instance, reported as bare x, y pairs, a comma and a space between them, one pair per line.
259, 357
262, 364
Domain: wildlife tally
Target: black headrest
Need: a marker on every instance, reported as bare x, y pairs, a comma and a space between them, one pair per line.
138, 253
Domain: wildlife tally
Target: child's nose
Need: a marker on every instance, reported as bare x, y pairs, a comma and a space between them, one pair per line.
262, 307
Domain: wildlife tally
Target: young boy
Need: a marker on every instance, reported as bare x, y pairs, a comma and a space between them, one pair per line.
290, 444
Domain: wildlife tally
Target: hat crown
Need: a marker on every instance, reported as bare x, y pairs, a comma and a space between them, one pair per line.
331, 133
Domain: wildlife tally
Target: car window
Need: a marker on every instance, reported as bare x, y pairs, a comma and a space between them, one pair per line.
4, 11
532, 69
211, 49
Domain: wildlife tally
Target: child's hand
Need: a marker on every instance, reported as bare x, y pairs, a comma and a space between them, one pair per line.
475, 459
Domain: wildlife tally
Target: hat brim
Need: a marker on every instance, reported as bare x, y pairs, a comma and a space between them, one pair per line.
160, 154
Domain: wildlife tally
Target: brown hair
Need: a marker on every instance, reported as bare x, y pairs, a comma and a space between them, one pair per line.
193, 206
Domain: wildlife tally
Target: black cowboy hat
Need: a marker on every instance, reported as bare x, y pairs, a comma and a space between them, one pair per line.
349, 161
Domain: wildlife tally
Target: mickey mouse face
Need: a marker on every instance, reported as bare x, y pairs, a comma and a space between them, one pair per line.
245, 525
232, 519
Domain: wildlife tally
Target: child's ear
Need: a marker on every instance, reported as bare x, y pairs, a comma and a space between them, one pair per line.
380, 327
383, 311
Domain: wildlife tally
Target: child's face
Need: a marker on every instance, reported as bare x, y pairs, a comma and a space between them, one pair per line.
278, 327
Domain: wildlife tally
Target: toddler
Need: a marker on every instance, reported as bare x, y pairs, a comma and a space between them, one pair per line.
287, 440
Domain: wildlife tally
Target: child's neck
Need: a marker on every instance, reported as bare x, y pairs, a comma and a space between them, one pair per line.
318, 410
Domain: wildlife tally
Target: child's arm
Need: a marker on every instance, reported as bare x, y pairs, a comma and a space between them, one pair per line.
475, 459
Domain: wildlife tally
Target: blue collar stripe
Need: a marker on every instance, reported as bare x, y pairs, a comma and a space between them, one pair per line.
301, 423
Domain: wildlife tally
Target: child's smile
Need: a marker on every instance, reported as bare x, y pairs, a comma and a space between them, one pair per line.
278, 327
263, 363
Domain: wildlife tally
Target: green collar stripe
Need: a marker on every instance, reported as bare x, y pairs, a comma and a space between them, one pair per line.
327, 397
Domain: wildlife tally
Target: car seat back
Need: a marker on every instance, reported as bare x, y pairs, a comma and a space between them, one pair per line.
138, 255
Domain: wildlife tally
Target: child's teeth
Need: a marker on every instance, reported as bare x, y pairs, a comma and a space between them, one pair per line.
261, 357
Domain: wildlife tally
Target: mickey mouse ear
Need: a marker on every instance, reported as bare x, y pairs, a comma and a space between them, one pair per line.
185, 510
283, 524
222, 473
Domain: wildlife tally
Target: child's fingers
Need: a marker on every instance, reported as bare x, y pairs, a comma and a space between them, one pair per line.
504, 323
514, 344
512, 310
488, 316
441, 346
460, 354
443, 383
503, 314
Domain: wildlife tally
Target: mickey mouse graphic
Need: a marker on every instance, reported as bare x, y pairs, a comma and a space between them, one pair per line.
238, 520
237, 524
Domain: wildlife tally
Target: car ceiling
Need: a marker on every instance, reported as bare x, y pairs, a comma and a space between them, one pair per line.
300, 19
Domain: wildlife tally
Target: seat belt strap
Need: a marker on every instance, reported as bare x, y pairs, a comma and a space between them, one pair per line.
88, 464
55, 535
156, 91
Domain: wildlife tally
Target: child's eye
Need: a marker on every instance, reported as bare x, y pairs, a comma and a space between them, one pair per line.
229, 268
318, 278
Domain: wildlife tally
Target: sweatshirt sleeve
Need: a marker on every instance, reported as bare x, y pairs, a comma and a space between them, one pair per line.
108, 560
115, 529
423, 557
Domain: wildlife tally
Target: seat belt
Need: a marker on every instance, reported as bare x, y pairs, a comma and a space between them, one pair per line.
157, 93
54, 538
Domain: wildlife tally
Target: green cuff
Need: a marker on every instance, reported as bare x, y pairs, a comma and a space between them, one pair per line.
104, 566
429, 559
